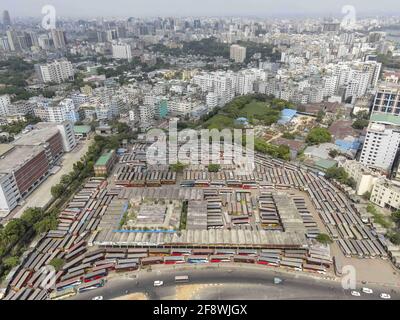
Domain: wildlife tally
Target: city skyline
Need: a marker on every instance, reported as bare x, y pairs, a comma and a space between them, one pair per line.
141, 8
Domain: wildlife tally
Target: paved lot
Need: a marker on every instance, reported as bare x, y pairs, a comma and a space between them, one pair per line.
41, 196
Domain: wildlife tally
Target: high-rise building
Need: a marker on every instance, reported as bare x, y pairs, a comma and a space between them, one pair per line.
6, 18
122, 51
64, 111
4, 104
56, 71
12, 40
59, 38
238, 53
380, 146
4, 45
387, 99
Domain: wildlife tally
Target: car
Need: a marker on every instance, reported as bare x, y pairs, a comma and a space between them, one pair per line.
277, 280
367, 290
355, 293
98, 298
158, 283
385, 296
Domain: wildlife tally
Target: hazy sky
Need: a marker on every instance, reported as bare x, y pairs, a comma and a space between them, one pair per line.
141, 8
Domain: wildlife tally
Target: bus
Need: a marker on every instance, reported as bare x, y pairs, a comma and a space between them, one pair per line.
70, 283
95, 275
91, 286
63, 294
181, 279
314, 268
174, 259
197, 259
220, 258
180, 252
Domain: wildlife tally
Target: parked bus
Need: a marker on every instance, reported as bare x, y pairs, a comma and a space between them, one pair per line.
181, 279
95, 275
220, 258
180, 252
63, 294
92, 285
314, 268
70, 283
174, 259
197, 259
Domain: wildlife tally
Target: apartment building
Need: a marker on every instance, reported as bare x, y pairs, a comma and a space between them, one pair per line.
57, 71
380, 146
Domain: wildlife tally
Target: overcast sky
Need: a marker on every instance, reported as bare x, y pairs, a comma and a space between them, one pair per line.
151, 8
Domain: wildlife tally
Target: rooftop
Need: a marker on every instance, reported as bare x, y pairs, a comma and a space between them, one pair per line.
36, 136
82, 129
104, 158
385, 118
17, 156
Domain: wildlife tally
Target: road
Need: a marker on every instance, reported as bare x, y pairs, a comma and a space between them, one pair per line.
233, 283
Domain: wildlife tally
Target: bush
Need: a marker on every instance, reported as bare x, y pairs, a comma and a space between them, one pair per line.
57, 263
213, 167
318, 135
324, 238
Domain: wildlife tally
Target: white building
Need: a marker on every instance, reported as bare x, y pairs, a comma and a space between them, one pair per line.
380, 146
5, 101
237, 53
212, 100
386, 194
122, 51
364, 177
64, 111
57, 71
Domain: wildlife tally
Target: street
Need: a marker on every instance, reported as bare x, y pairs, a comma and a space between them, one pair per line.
234, 283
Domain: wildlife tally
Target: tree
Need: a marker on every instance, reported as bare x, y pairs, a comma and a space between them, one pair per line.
10, 262
394, 237
213, 167
360, 124
320, 116
318, 135
57, 263
57, 190
324, 238
333, 153
396, 216
366, 195
177, 167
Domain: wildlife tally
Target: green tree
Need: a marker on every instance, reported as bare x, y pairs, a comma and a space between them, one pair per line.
177, 167
360, 124
396, 216
213, 167
324, 238
57, 263
318, 135
320, 116
333, 153
57, 190
10, 262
